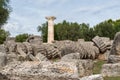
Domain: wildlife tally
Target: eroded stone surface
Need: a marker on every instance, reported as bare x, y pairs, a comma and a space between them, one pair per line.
34, 40
100, 43
115, 50
71, 56
62, 70
50, 28
114, 59
3, 59
2, 48
85, 67
93, 77
41, 57
41, 71
111, 70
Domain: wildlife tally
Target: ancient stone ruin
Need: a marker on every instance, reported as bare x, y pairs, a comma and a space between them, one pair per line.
112, 68
58, 60
64, 60
50, 28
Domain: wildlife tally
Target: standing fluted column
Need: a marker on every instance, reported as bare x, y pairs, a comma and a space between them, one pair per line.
50, 19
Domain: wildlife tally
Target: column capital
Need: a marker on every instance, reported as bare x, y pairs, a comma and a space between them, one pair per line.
50, 17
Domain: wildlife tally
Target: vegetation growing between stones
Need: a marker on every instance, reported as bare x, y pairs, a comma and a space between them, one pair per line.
73, 31
98, 66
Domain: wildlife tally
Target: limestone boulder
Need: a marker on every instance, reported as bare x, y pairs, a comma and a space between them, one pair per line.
90, 51
66, 47
11, 57
10, 46
87, 50
21, 50
111, 70
106, 54
114, 59
28, 47
85, 67
52, 51
93, 77
3, 59
71, 56
41, 57
64, 69
38, 49
48, 50
98, 41
2, 48
40, 71
45, 70
115, 50
34, 40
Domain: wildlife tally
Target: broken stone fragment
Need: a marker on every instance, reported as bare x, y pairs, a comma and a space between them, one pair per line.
114, 59
34, 40
3, 59
85, 67
93, 77
111, 70
71, 56
41, 57
115, 50
41, 71
100, 43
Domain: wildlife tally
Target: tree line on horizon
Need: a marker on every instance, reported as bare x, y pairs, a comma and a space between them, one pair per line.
74, 31
64, 30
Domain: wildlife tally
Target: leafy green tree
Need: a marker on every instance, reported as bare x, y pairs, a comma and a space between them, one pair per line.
44, 31
4, 14
73, 31
3, 35
84, 31
117, 25
66, 31
21, 37
105, 29
4, 11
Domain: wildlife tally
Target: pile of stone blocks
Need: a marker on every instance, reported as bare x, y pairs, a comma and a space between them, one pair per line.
112, 68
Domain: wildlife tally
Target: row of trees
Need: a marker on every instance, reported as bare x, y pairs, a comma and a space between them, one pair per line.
73, 31
64, 30
21, 37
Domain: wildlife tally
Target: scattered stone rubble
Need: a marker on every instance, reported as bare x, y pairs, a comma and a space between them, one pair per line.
85, 51
112, 68
65, 70
34, 45
33, 59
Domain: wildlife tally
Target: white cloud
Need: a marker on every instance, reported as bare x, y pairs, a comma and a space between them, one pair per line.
28, 14
16, 28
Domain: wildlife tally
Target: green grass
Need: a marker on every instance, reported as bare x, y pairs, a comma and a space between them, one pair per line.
112, 78
98, 66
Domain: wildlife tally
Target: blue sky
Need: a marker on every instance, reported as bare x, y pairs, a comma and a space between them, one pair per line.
26, 15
